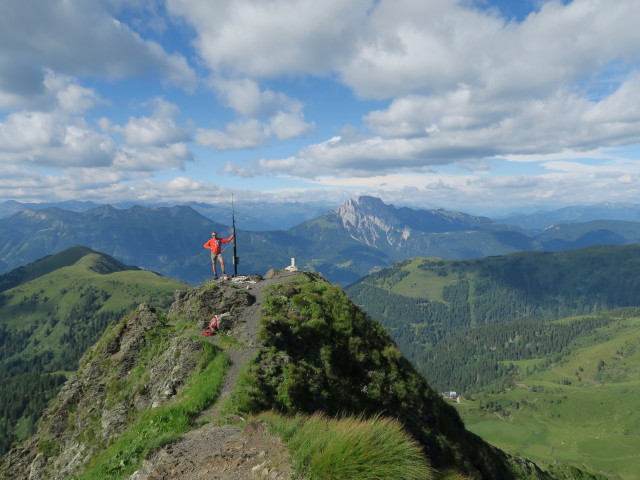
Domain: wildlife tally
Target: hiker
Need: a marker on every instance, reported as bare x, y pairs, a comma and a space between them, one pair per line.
215, 245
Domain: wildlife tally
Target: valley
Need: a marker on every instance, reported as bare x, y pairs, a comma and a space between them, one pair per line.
577, 405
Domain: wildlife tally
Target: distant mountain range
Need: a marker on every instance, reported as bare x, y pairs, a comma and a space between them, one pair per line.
264, 216
575, 214
359, 237
254, 216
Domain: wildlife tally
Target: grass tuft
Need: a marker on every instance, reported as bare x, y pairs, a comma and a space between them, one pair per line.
358, 449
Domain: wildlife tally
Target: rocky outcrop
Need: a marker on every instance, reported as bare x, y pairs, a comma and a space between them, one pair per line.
142, 363
372, 222
115, 379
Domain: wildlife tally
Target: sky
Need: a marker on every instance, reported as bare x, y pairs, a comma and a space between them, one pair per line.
482, 106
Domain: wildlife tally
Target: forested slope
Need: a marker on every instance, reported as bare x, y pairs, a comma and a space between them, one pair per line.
423, 301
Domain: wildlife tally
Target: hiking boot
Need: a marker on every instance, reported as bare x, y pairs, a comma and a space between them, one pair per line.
225, 276
215, 277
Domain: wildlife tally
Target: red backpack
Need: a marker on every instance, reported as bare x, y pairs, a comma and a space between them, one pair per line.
213, 326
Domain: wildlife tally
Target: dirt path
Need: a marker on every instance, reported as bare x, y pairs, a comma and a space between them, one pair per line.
227, 452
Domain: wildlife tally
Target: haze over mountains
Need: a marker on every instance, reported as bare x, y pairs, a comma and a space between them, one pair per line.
357, 238
249, 216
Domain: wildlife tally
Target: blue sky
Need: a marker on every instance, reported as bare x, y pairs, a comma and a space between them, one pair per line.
481, 106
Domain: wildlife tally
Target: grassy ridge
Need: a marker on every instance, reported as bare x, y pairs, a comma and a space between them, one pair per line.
321, 354
50, 312
53, 311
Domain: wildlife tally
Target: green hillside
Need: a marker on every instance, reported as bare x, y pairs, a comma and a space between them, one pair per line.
576, 402
51, 311
326, 377
424, 300
552, 390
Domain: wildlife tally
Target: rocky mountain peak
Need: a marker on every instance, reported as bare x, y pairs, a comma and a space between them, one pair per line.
372, 222
104, 211
354, 212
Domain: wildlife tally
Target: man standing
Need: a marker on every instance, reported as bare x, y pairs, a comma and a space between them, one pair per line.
215, 245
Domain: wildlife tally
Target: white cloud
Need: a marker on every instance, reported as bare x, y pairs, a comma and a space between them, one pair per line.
26, 130
172, 156
158, 130
284, 117
463, 84
237, 135
46, 139
246, 98
262, 39
69, 96
420, 132
285, 125
74, 37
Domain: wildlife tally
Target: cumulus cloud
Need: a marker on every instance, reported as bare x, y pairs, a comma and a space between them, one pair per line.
69, 96
247, 98
283, 117
237, 135
420, 131
264, 39
173, 156
47, 139
74, 37
463, 83
160, 129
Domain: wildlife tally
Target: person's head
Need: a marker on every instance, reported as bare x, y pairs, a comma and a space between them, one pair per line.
214, 234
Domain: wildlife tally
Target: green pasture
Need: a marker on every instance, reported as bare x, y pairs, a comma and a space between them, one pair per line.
582, 410
420, 283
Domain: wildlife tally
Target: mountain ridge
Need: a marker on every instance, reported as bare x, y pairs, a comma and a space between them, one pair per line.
117, 410
345, 244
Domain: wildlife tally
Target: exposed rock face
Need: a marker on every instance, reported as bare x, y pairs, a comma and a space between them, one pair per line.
376, 224
120, 376
81, 422
371, 222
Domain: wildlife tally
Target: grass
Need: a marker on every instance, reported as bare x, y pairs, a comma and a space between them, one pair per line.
421, 283
592, 422
351, 448
162, 425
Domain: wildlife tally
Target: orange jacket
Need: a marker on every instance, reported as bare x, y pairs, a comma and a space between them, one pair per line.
215, 244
